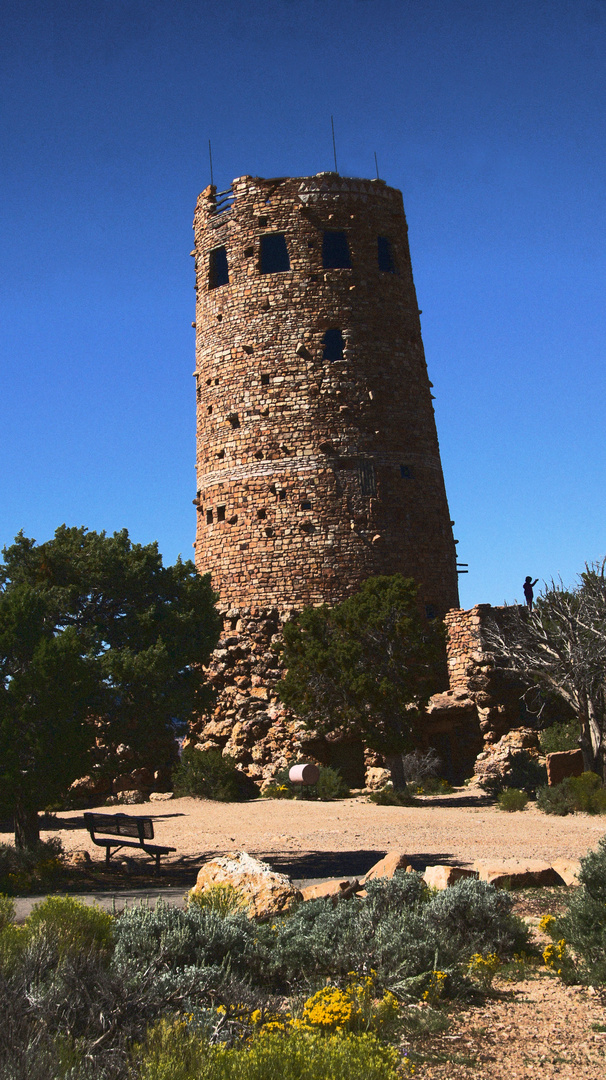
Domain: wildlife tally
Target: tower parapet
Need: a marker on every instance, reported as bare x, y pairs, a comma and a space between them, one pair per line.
317, 455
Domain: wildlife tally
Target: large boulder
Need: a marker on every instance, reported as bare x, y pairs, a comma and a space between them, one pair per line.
563, 764
386, 867
265, 892
517, 873
442, 877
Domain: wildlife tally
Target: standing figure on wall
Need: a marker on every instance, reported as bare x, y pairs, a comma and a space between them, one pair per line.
528, 593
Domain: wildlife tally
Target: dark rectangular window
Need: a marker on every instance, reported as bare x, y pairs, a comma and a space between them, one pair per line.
368, 479
209, 517
406, 472
220, 513
335, 251
385, 255
218, 273
265, 380
333, 345
274, 254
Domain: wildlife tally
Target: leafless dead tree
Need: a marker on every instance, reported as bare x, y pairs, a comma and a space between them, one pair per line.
561, 647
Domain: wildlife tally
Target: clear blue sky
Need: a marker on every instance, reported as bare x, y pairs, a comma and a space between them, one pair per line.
488, 114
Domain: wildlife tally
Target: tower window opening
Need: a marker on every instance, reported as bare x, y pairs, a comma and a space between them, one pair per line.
333, 345
265, 380
209, 517
305, 504
406, 472
234, 420
262, 514
274, 254
249, 252
385, 255
430, 611
221, 454
368, 479
220, 513
282, 495
209, 409
218, 273
262, 222
335, 251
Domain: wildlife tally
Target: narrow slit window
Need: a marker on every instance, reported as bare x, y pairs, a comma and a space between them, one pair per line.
218, 273
368, 479
333, 345
335, 251
385, 255
209, 517
274, 254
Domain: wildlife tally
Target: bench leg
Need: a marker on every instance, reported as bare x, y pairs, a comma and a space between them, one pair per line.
108, 854
157, 857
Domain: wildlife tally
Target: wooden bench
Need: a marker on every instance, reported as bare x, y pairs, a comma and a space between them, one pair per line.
121, 826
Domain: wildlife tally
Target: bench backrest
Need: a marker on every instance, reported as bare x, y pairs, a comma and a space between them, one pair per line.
120, 825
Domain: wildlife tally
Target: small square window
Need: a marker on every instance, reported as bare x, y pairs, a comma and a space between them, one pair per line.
406, 472
262, 514
263, 221
265, 380
306, 505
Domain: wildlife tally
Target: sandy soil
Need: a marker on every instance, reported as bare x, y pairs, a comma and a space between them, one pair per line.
313, 839
539, 1027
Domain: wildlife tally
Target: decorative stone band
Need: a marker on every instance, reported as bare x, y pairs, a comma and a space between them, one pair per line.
310, 463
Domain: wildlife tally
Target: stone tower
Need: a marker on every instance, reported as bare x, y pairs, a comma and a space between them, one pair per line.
317, 454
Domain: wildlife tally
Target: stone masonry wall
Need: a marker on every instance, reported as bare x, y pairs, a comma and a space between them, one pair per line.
313, 473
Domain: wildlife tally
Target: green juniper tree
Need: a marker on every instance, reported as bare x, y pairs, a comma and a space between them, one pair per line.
366, 666
100, 644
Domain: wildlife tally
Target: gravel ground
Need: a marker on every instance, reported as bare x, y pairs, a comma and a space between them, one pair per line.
537, 1027
320, 840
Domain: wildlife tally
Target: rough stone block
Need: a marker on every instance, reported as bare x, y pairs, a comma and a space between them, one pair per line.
563, 764
517, 873
386, 867
441, 877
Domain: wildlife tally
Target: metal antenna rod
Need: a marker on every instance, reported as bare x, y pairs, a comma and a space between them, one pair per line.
376, 165
334, 148
210, 154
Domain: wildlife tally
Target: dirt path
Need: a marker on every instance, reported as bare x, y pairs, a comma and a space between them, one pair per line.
312, 839
540, 1028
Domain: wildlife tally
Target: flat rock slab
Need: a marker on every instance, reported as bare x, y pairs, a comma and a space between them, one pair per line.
394, 860
517, 873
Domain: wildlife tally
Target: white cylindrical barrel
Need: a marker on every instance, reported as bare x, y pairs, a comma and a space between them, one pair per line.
304, 774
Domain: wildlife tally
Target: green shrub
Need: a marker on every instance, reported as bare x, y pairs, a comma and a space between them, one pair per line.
28, 870
581, 793
555, 800
71, 925
221, 897
563, 735
330, 785
474, 917
206, 774
389, 796
172, 1053
434, 785
583, 926
7, 911
512, 799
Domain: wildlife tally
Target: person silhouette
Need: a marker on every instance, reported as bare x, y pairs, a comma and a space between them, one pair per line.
528, 593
